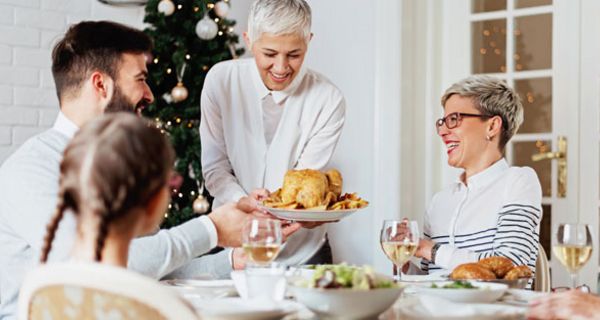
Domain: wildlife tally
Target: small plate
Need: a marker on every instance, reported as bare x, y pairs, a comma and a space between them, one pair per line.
310, 215
485, 292
193, 288
241, 309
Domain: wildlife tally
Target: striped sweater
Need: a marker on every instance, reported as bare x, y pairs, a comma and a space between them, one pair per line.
497, 213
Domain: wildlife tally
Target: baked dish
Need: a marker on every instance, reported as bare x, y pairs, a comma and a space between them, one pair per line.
314, 190
491, 268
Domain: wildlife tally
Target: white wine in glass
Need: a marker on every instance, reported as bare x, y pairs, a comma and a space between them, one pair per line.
261, 254
261, 240
399, 241
573, 248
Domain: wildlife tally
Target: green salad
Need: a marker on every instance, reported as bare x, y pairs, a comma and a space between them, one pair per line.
336, 276
456, 285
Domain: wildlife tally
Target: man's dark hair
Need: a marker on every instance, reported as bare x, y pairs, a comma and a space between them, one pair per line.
93, 46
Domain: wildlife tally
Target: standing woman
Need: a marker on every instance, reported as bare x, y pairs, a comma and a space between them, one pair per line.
266, 115
492, 209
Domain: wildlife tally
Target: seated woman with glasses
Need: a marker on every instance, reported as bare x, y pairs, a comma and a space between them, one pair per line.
492, 209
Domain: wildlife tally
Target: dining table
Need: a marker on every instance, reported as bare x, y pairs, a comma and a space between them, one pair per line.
219, 300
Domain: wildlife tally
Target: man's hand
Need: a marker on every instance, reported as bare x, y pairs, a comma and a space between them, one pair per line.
229, 220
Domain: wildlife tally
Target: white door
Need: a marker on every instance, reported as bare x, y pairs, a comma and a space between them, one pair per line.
543, 50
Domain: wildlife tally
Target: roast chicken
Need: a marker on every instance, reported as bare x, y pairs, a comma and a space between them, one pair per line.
311, 188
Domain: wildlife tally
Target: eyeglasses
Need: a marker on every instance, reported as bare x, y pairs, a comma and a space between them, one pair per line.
583, 288
454, 119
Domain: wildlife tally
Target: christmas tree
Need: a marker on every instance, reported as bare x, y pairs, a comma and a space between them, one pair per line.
190, 36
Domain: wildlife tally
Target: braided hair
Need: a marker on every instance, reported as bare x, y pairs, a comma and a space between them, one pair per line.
114, 164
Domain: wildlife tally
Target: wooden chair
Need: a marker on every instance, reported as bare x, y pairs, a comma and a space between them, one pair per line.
96, 291
542, 272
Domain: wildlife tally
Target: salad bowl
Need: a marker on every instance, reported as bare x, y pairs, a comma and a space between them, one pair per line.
359, 294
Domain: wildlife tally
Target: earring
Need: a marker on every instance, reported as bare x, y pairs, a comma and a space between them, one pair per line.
488, 138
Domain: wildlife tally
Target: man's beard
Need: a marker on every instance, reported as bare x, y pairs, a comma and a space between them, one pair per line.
120, 102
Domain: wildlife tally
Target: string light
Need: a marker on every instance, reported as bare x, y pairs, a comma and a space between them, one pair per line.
486, 33
166, 215
169, 71
230, 29
178, 120
180, 195
483, 50
190, 125
179, 6
216, 19
170, 206
187, 57
204, 68
196, 9
210, 5
155, 60
497, 51
193, 193
220, 33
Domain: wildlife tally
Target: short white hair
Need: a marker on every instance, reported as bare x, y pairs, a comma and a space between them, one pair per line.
279, 17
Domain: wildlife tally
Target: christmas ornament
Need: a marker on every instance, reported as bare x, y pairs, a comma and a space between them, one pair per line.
179, 92
201, 205
206, 29
167, 97
166, 7
221, 9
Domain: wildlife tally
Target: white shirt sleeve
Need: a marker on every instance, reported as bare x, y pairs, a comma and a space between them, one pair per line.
216, 168
517, 234
320, 147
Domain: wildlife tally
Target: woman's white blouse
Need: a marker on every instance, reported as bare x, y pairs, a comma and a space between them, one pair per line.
497, 213
237, 156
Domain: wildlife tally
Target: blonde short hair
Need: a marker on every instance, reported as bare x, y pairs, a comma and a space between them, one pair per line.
492, 97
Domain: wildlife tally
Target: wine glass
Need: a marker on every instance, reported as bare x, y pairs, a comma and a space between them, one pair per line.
399, 241
261, 240
573, 247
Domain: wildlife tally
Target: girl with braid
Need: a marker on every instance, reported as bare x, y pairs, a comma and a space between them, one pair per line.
114, 179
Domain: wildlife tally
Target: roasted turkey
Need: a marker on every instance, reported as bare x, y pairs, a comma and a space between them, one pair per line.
311, 188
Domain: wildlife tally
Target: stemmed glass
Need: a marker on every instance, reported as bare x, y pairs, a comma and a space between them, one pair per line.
261, 240
399, 241
573, 247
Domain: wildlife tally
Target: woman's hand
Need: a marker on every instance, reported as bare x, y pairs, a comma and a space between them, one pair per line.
572, 304
259, 194
424, 249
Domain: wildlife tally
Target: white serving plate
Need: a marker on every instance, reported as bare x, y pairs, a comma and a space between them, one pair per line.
310, 215
485, 292
241, 309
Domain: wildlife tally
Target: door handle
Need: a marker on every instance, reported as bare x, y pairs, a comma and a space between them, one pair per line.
561, 156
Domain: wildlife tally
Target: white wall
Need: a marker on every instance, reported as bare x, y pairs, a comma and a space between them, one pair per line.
28, 30
343, 49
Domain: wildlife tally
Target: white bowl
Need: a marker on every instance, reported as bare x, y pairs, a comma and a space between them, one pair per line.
293, 274
485, 292
347, 303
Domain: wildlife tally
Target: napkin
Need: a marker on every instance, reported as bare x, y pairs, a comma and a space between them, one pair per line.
432, 307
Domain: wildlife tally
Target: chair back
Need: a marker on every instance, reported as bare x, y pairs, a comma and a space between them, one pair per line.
96, 291
542, 272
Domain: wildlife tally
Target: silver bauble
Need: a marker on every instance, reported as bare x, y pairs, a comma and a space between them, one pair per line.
221, 9
166, 7
179, 92
201, 205
207, 29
